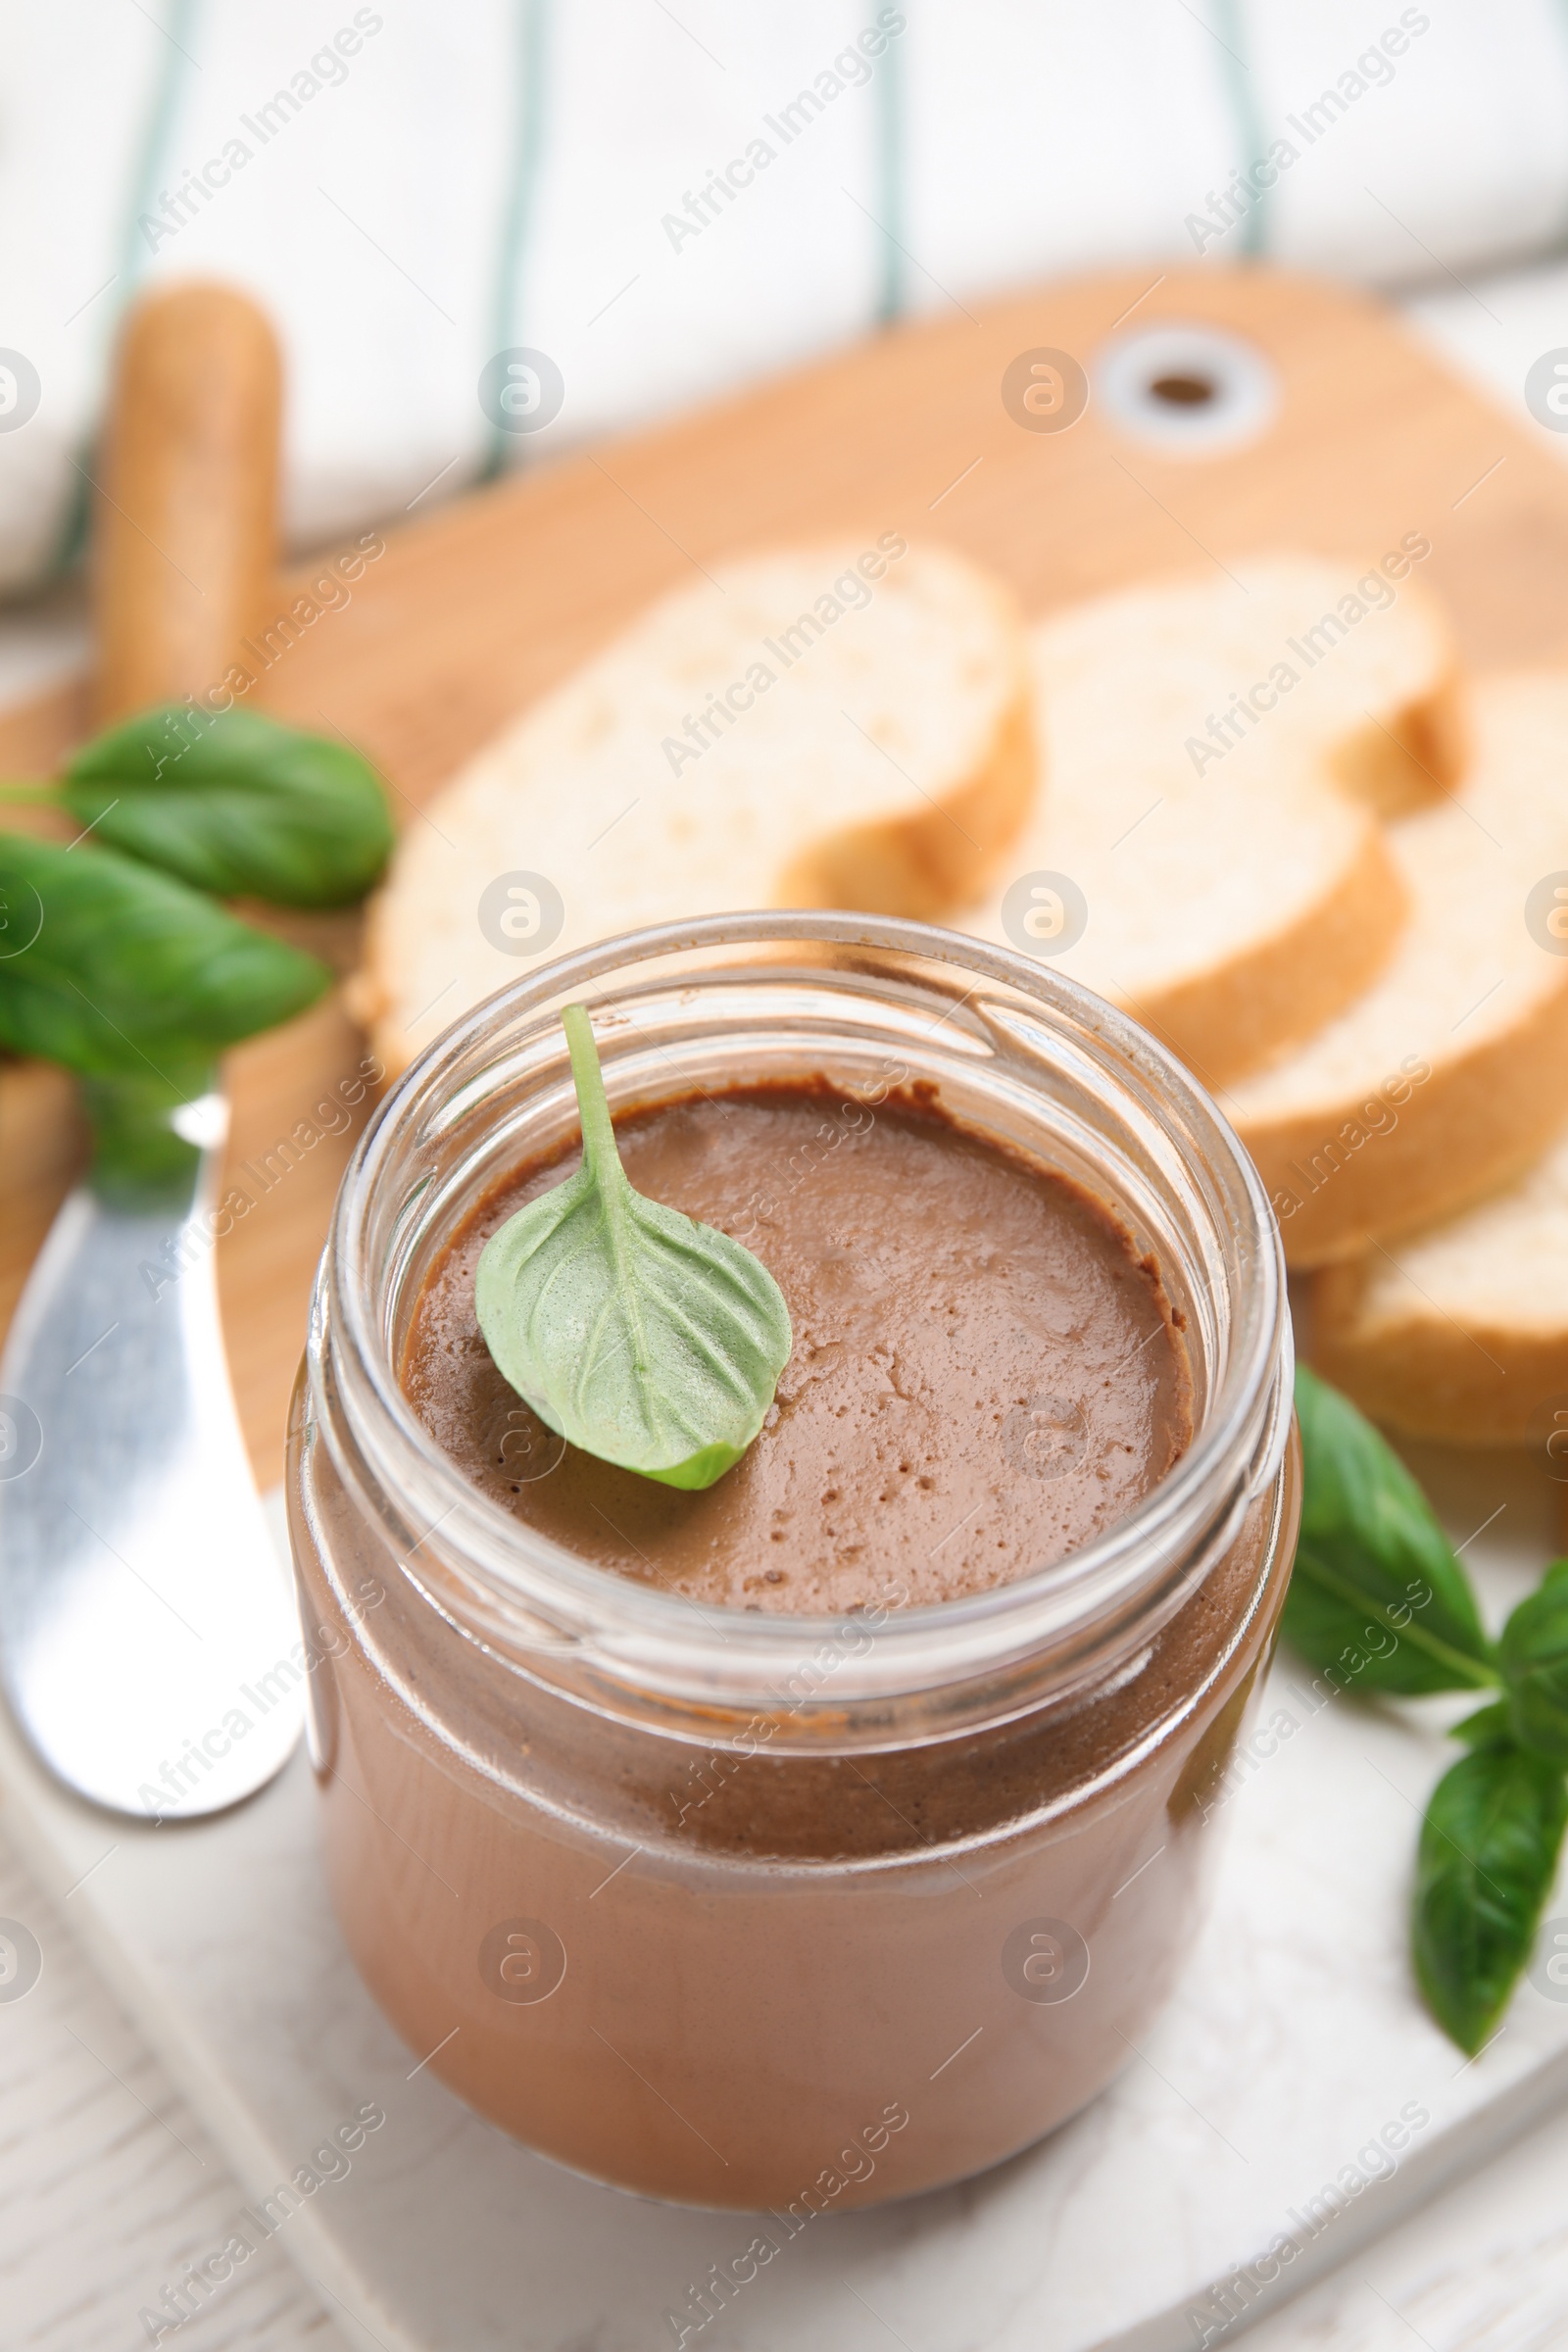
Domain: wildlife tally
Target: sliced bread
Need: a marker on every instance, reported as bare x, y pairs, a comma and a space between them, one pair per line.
824, 726
1365, 667
1216, 750
1460, 1332
1450, 1072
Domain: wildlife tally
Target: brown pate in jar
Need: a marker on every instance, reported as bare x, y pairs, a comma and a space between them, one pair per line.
738, 1969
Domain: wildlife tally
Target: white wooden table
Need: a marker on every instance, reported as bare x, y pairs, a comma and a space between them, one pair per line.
108, 2185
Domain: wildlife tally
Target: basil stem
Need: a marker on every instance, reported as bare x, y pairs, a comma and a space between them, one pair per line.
139, 1155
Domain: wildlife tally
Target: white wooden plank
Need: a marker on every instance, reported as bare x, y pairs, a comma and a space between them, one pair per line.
108, 2186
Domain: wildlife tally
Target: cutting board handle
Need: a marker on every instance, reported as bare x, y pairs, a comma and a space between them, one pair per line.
185, 529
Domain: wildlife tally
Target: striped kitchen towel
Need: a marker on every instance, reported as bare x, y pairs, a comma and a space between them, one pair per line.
492, 227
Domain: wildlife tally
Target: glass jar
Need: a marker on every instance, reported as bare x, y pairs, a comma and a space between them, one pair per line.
750, 1910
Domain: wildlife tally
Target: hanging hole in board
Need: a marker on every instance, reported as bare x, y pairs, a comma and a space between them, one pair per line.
1188, 391
1182, 391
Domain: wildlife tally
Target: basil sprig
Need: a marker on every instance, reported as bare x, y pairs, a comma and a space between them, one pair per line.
237, 804
115, 961
1379, 1602
633, 1331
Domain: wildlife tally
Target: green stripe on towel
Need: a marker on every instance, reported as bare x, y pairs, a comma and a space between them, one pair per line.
890, 166
530, 55
1231, 33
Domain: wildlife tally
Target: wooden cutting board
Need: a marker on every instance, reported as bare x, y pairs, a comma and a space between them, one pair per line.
474, 611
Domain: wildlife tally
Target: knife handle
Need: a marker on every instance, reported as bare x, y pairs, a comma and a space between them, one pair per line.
185, 529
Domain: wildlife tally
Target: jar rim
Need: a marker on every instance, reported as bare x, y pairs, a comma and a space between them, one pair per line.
518, 1587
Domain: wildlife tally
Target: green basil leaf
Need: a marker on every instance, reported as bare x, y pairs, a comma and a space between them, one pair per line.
1377, 1599
113, 969
633, 1331
1485, 1867
1486, 1728
237, 804
1533, 1656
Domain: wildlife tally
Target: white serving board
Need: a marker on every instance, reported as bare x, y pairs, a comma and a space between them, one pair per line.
1293, 2039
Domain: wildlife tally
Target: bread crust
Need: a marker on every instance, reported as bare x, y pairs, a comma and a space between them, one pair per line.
1236, 982
1427, 1374
1272, 997
908, 868
1416, 758
1465, 1128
